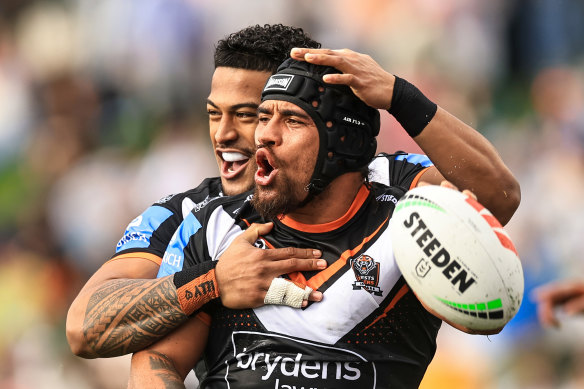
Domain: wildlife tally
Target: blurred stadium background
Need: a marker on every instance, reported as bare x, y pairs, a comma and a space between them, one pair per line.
102, 112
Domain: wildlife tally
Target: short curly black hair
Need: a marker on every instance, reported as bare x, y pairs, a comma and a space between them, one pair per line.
261, 48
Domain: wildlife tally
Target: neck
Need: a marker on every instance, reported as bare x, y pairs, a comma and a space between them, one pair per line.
332, 203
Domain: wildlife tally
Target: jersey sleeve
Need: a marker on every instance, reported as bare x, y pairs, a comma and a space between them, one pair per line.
204, 234
181, 245
149, 233
399, 169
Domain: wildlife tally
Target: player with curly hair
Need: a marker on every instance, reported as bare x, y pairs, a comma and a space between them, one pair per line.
123, 308
112, 314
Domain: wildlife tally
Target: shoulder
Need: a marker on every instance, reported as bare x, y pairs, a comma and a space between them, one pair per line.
230, 205
152, 229
383, 160
384, 193
399, 168
205, 232
213, 218
184, 202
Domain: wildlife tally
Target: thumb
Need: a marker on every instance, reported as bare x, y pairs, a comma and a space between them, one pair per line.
255, 231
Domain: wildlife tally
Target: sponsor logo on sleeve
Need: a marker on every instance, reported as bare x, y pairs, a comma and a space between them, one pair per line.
135, 239
165, 198
277, 361
140, 230
173, 258
386, 198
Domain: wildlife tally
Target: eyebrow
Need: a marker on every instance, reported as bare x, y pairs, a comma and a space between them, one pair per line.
235, 106
286, 112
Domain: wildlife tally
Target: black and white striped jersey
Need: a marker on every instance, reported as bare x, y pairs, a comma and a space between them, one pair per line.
368, 332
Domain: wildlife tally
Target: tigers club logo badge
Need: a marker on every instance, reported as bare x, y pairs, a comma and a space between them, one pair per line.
367, 274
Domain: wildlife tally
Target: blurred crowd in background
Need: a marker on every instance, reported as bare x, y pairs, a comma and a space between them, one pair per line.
102, 112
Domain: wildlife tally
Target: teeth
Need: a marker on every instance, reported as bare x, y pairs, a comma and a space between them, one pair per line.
233, 157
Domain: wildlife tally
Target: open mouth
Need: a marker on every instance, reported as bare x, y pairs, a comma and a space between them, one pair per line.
266, 172
233, 163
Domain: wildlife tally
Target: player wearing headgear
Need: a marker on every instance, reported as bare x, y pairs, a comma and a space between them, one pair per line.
369, 330
121, 309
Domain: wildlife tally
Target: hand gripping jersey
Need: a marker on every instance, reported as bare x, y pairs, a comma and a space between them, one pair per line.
369, 331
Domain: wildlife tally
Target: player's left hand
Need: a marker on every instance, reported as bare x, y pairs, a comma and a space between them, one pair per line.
368, 80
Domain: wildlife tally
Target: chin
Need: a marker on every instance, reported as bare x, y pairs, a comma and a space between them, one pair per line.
271, 203
235, 187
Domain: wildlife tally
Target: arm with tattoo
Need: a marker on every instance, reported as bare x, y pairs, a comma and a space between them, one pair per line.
124, 316
161, 372
122, 309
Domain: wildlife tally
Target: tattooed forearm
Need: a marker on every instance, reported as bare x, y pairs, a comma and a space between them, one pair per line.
124, 316
154, 369
164, 369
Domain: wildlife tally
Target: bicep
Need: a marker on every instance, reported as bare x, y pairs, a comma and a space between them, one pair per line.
125, 268
137, 266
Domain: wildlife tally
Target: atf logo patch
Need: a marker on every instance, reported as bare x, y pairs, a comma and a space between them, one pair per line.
279, 82
367, 274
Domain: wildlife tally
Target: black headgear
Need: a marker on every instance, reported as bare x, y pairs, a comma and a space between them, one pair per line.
348, 143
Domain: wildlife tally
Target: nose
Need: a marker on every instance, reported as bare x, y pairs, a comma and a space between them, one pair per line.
268, 133
226, 131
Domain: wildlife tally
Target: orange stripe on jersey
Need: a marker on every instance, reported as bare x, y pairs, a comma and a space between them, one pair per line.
400, 293
139, 255
316, 281
417, 177
325, 227
296, 277
194, 294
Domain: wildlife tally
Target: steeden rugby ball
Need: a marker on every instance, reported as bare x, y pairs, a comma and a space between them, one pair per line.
457, 258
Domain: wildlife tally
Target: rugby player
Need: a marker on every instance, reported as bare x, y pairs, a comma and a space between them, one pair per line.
121, 310
314, 142
109, 317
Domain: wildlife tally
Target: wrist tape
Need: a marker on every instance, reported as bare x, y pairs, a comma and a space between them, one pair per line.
410, 107
196, 286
